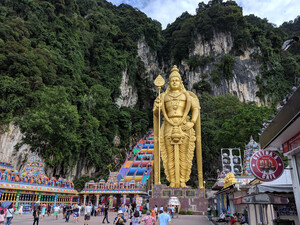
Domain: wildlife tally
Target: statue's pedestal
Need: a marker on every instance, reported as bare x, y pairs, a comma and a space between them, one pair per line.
190, 199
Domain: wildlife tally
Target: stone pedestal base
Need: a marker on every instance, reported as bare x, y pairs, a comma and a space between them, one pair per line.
190, 199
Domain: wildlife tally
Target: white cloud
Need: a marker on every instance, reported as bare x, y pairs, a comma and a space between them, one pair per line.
276, 11
166, 11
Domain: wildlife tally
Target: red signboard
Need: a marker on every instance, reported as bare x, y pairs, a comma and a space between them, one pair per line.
266, 165
291, 144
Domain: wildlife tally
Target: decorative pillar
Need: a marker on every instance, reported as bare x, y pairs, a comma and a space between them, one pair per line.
124, 199
17, 203
55, 199
40, 195
71, 199
97, 200
84, 199
111, 201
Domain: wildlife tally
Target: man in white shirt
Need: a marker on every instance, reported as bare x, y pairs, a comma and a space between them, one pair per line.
87, 213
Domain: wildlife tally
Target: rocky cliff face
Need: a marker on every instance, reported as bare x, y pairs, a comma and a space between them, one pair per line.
11, 136
8, 140
244, 72
129, 96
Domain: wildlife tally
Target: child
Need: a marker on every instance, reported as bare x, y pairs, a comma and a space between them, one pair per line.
1, 217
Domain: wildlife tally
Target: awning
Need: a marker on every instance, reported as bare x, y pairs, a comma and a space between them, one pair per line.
264, 199
282, 184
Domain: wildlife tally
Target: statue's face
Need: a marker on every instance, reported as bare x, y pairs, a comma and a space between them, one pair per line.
174, 83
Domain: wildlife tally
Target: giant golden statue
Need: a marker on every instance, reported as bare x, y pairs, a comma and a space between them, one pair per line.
175, 140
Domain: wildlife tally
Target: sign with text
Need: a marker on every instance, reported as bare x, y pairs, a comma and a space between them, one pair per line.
266, 165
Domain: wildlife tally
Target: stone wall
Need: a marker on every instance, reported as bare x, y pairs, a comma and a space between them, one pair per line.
190, 199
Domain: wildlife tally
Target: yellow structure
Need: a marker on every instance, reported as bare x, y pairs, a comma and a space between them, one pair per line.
229, 180
176, 139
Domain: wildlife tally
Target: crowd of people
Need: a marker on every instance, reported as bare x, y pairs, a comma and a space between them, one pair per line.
126, 214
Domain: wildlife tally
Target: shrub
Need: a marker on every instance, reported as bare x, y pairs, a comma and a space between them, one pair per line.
182, 212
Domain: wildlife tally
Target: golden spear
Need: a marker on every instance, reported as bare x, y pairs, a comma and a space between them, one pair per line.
159, 82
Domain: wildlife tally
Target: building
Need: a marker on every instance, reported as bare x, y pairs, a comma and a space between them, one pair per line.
130, 183
32, 185
283, 135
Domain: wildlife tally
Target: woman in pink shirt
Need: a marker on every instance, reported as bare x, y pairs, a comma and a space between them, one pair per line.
149, 220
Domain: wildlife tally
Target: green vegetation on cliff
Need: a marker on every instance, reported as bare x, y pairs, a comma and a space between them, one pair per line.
61, 66
279, 68
62, 62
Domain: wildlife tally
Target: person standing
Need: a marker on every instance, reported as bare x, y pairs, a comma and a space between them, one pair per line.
164, 218
21, 209
36, 214
129, 212
68, 212
49, 209
93, 210
76, 213
135, 220
43, 212
56, 211
172, 211
2, 217
120, 220
9, 214
105, 214
87, 213
64, 211
102, 209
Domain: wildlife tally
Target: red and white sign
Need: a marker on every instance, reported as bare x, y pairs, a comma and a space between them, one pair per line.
266, 165
291, 144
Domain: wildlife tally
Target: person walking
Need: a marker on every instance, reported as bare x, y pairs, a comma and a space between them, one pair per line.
172, 211
105, 214
56, 211
164, 218
87, 213
148, 219
9, 214
36, 214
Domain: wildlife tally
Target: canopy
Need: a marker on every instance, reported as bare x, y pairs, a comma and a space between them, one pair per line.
282, 184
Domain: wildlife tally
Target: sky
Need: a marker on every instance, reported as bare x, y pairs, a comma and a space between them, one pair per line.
166, 11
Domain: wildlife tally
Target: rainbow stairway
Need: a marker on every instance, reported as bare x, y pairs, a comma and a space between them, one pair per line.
139, 164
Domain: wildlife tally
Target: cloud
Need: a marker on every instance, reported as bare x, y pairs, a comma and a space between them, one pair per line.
166, 11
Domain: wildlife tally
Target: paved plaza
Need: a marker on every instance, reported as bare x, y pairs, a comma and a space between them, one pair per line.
182, 220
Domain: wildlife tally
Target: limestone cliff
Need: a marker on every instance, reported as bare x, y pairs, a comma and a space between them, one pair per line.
9, 138
244, 72
128, 96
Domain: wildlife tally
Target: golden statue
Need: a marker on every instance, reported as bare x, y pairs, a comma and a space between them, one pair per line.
175, 140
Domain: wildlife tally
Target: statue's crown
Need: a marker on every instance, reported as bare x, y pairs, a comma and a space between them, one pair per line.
174, 72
